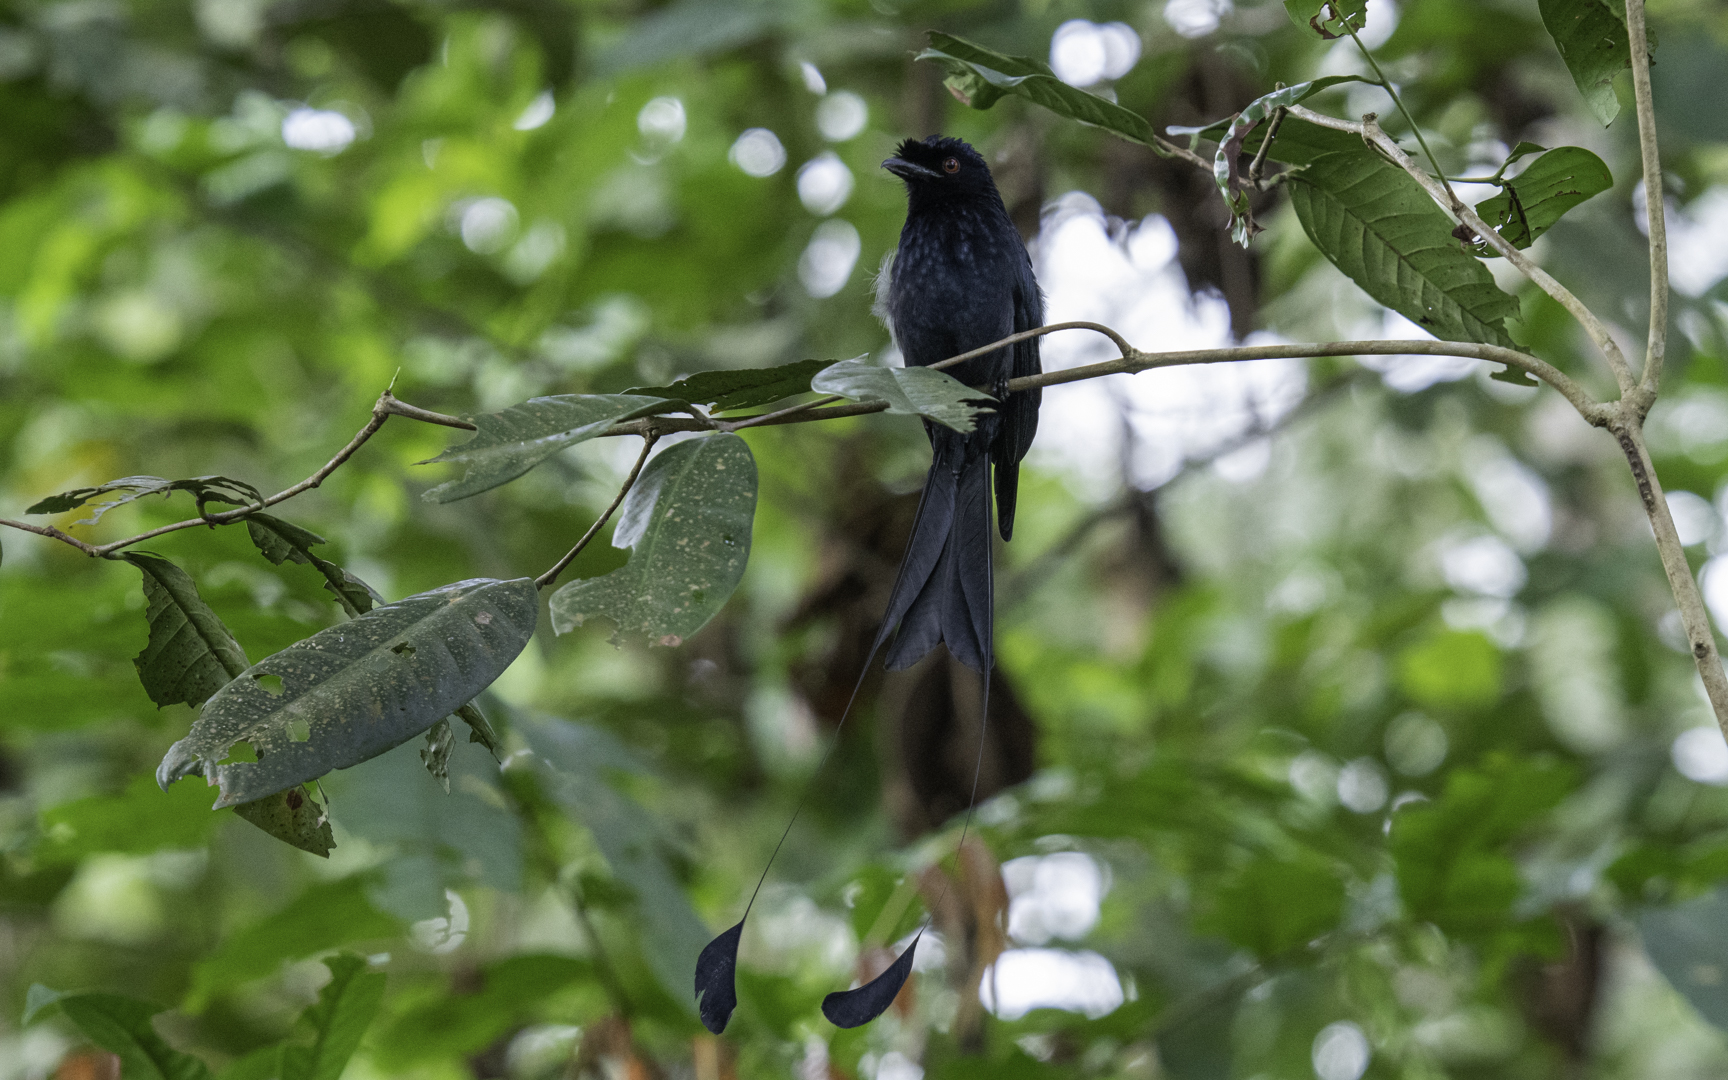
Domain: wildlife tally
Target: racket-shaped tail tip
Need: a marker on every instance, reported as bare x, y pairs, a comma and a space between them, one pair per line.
855, 1008
716, 984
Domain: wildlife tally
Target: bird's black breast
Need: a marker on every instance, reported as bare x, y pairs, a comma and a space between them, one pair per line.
953, 286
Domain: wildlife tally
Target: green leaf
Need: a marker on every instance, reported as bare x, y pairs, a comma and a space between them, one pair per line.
1377, 225
264, 1063
1273, 905
509, 443
979, 77
205, 489
1687, 945
1455, 668
1226, 170
1328, 18
325, 916
136, 822
1453, 855
744, 389
1536, 198
911, 391
450, 1027
190, 654
121, 1026
293, 816
357, 689
687, 525
577, 760
281, 541
1591, 36
344, 1009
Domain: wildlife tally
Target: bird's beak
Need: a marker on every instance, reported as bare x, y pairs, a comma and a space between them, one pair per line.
906, 170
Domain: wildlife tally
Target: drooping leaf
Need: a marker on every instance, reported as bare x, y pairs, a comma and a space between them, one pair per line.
1226, 168
190, 654
739, 389
1592, 39
205, 489
1536, 198
293, 816
717, 979
1328, 18
855, 1008
440, 741
121, 1026
509, 443
1378, 226
281, 541
910, 391
1687, 945
687, 525
325, 916
357, 689
338, 1019
578, 762
980, 77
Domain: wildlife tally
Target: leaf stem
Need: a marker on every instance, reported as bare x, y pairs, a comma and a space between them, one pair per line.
1386, 85
1657, 345
551, 575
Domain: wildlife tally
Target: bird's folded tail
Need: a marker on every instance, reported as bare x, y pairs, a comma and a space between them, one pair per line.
943, 591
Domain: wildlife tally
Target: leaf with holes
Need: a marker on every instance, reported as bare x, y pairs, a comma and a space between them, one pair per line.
121, 1026
1380, 228
1531, 202
205, 489
509, 443
1591, 36
355, 690
295, 817
190, 653
911, 391
687, 525
743, 389
282, 541
981, 77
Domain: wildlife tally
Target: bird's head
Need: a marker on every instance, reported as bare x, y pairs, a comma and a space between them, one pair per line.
939, 168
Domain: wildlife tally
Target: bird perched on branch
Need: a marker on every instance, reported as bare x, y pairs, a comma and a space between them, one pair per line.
960, 280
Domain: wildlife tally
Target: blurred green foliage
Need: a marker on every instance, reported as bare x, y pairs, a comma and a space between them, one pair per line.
1321, 781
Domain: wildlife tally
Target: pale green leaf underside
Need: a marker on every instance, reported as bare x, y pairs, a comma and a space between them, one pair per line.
1591, 37
911, 391
509, 443
687, 524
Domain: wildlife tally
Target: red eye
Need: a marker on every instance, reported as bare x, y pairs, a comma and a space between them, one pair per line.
951, 166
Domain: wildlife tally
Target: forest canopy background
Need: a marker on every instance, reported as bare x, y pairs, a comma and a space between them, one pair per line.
1344, 726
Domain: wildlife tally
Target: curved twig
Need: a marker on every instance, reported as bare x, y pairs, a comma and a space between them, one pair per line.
629, 482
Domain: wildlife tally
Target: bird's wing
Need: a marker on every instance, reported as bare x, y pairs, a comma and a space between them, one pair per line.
1020, 411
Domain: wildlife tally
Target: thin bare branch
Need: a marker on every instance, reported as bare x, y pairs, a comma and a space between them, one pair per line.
629, 482
1657, 348
1182, 153
395, 407
52, 533
779, 415
1370, 131
1121, 343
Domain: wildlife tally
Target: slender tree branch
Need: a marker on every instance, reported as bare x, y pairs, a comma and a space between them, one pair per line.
1170, 149
1259, 164
629, 481
780, 415
52, 533
1120, 342
1370, 131
1693, 616
1386, 85
1657, 348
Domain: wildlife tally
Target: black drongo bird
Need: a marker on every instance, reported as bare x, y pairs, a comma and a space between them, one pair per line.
960, 280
